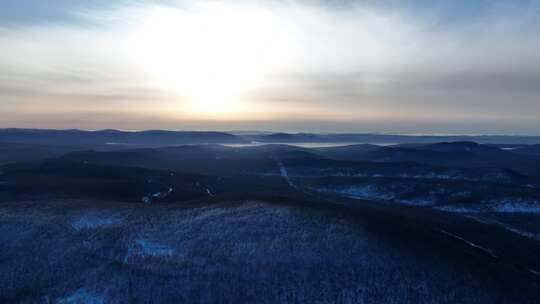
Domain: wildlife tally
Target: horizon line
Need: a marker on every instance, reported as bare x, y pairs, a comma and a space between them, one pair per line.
270, 132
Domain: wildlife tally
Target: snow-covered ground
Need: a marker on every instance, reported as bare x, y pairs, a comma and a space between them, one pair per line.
486, 175
82, 296
147, 248
92, 221
369, 191
243, 252
499, 205
514, 205
374, 192
513, 214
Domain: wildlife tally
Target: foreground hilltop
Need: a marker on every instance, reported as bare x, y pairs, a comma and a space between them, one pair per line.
445, 222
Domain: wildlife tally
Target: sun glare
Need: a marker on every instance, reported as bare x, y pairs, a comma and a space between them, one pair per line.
210, 54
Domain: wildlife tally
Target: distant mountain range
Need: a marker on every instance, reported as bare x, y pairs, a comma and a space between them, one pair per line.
114, 137
155, 138
391, 139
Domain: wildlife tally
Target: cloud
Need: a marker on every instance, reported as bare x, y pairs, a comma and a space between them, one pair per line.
28, 12
471, 63
375, 59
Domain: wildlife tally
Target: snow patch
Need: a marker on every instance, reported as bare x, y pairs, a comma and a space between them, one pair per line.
360, 192
147, 199
154, 249
455, 209
416, 202
162, 194
500, 205
82, 296
93, 222
514, 205
285, 174
509, 148
148, 248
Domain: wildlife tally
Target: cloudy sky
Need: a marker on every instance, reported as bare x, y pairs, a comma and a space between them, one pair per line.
469, 66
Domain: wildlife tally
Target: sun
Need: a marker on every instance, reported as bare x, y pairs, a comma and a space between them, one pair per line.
210, 54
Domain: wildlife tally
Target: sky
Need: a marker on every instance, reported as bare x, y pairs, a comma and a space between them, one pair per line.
388, 66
